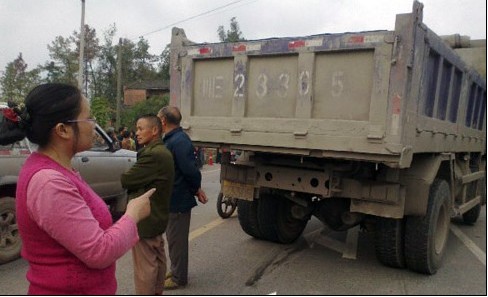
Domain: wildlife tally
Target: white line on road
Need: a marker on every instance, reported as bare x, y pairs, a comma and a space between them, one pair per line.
469, 244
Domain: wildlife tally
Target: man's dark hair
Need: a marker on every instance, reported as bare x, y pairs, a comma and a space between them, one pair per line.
172, 114
153, 120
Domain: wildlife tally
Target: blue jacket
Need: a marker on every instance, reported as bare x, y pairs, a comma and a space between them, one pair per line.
188, 178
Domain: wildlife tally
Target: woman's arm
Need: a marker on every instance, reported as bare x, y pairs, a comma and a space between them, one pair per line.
57, 207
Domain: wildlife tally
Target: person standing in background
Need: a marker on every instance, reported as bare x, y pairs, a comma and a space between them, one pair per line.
187, 185
153, 169
127, 142
68, 237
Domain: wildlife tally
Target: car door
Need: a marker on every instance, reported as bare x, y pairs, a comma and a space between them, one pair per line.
102, 165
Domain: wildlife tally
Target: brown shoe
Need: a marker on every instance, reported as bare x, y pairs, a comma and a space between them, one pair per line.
169, 284
168, 275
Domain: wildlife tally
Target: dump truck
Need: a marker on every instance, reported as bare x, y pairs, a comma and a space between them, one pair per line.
382, 129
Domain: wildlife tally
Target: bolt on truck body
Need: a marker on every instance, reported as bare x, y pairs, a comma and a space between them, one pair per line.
386, 129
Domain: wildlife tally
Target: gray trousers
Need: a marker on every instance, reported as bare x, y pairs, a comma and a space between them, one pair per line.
177, 233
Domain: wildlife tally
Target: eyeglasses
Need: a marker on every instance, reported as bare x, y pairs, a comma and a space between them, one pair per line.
93, 120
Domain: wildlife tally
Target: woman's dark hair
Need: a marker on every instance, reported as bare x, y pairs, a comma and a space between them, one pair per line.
45, 106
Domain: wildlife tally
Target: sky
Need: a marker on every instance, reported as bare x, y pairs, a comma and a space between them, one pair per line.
28, 26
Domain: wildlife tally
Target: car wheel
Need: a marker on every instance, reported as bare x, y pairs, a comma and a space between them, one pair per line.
10, 242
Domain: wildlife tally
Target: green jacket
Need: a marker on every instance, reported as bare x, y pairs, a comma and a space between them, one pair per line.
154, 169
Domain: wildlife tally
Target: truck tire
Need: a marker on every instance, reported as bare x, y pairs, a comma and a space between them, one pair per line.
276, 221
471, 216
389, 242
247, 214
426, 236
10, 242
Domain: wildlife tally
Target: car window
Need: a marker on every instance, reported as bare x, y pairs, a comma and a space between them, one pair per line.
99, 143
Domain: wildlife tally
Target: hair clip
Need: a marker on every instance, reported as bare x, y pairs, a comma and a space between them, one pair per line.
11, 115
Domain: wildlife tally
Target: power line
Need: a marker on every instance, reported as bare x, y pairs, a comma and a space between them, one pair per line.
192, 17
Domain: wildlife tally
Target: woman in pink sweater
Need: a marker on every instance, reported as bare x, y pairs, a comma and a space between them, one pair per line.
66, 229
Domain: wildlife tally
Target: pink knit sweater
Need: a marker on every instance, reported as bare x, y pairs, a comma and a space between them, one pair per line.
67, 232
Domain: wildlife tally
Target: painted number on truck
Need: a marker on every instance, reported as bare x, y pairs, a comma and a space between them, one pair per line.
281, 83
213, 87
337, 83
284, 81
239, 81
262, 88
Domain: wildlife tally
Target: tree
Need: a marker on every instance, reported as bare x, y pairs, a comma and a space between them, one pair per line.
64, 62
105, 73
16, 81
91, 52
100, 109
151, 105
234, 34
164, 64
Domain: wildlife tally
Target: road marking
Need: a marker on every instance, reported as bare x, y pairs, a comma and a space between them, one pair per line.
469, 244
198, 232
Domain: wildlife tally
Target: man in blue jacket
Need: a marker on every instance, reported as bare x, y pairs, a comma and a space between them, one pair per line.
187, 185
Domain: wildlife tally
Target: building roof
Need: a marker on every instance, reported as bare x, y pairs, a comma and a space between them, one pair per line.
149, 85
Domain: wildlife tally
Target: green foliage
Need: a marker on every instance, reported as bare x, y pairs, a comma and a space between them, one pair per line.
100, 109
234, 34
64, 61
151, 105
164, 64
16, 82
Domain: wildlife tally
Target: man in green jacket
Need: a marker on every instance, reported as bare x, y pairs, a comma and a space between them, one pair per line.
154, 169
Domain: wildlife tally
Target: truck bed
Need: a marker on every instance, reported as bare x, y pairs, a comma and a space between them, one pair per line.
378, 96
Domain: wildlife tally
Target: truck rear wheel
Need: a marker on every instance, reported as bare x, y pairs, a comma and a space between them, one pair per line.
276, 221
247, 213
426, 236
10, 242
389, 242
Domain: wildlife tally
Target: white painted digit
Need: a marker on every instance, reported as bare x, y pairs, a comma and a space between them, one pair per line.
262, 88
239, 80
337, 83
284, 84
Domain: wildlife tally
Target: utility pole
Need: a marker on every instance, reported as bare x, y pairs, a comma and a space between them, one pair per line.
82, 47
119, 84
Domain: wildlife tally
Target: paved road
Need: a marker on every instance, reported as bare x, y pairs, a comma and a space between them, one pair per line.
226, 261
